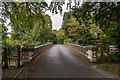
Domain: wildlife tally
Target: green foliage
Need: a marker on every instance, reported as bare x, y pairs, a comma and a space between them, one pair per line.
12, 44
30, 26
102, 21
60, 36
37, 43
113, 58
39, 34
78, 32
4, 36
53, 37
104, 15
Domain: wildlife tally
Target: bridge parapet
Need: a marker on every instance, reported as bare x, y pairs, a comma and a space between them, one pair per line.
33, 52
39, 49
78, 48
89, 52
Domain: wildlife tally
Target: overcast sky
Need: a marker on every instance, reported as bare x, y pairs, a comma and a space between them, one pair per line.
57, 19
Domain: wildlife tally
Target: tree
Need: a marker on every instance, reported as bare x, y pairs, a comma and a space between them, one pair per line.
78, 32
22, 16
104, 15
28, 22
39, 33
60, 36
53, 37
4, 36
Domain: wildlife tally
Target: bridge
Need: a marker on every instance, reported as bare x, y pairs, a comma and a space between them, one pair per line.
62, 62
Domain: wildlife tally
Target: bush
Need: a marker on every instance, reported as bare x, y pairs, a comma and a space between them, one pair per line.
113, 58
37, 43
81, 42
11, 44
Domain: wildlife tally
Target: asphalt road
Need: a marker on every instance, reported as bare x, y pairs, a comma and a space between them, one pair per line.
60, 62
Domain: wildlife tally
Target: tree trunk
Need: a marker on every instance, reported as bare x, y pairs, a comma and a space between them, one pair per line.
101, 50
18, 55
9, 54
5, 58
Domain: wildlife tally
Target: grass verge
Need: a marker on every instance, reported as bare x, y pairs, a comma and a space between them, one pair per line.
113, 68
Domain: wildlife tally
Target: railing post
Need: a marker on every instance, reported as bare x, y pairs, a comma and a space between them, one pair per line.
5, 58
18, 55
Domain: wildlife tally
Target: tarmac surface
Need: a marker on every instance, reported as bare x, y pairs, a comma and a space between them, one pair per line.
60, 62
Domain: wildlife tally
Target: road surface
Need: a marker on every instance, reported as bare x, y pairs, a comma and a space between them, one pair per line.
60, 62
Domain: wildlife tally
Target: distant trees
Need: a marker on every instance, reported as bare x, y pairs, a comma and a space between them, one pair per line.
53, 37
60, 36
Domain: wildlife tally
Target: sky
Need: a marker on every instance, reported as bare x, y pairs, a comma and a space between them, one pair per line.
57, 19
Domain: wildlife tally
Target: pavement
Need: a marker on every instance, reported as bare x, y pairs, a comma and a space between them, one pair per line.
60, 62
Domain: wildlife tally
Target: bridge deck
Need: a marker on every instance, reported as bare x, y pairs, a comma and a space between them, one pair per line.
60, 62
